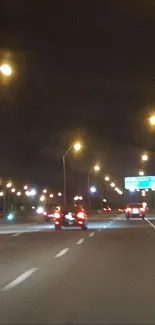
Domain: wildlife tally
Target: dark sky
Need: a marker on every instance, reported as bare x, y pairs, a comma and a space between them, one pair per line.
82, 69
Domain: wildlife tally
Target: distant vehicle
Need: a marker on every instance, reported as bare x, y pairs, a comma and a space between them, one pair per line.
70, 217
107, 209
135, 210
120, 209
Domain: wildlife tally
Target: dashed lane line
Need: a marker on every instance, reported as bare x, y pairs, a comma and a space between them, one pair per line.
16, 234
80, 241
151, 224
91, 234
19, 279
62, 252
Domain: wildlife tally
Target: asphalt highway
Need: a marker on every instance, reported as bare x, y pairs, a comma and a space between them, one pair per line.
105, 275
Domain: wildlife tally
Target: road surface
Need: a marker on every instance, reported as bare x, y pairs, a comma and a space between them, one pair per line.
105, 275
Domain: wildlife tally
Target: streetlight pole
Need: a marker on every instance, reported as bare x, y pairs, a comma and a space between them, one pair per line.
96, 168
77, 147
89, 199
64, 178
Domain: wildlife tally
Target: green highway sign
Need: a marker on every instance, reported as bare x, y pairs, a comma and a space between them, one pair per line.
139, 182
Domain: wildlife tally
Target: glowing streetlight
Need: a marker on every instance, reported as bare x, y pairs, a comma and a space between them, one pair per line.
104, 200
45, 191
8, 185
145, 157
13, 190
112, 184
93, 189
25, 187
107, 178
97, 168
141, 173
77, 146
59, 194
40, 210
152, 120
19, 193
33, 192
6, 69
76, 198
51, 195
1, 193
27, 193
42, 198
132, 189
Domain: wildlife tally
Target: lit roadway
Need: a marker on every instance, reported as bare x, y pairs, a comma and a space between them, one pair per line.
105, 275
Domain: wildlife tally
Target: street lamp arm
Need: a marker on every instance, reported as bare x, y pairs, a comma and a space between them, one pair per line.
66, 153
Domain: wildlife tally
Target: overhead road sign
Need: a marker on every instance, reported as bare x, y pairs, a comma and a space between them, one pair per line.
139, 182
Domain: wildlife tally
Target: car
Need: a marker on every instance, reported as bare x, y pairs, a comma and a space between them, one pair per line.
76, 216
135, 210
107, 209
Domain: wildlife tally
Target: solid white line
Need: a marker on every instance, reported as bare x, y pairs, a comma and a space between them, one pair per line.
80, 241
62, 252
16, 234
151, 224
91, 234
20, 279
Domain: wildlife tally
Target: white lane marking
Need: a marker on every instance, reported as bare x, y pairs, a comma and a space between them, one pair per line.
91, 234
62, 252
16, 234
19, 279
80, 241
151, 224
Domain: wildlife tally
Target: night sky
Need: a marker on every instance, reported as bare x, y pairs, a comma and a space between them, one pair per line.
81, 69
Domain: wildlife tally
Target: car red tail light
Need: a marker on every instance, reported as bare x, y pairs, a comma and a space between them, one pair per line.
56, 215
80, 215
128, 209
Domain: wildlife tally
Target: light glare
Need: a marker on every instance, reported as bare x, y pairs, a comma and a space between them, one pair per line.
141, 173
152, 120
9, 184
145, 157
77, 146
96, 168
93, 189
6, 69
